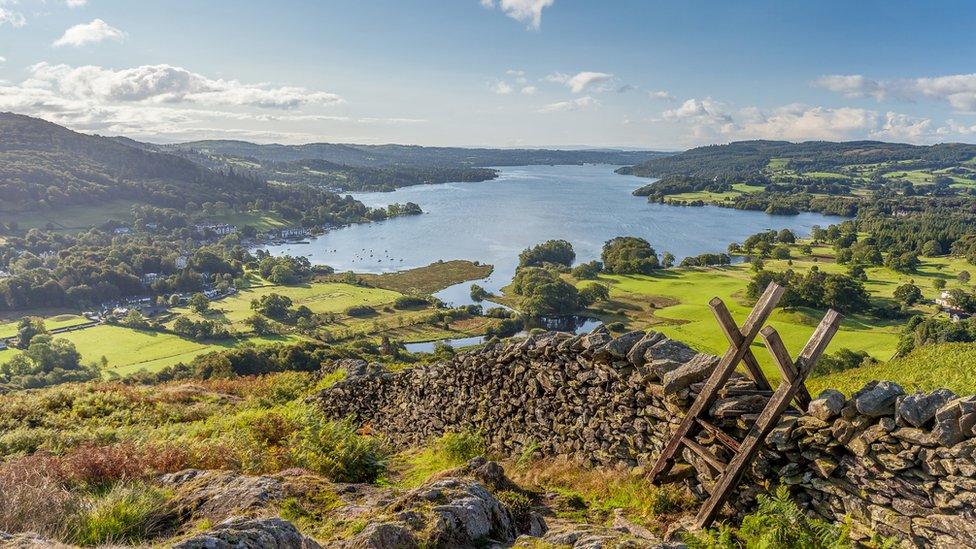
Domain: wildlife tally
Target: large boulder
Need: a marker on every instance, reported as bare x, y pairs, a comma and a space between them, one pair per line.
695, 370
619, 347
919, 408
877, 398
244, 533
218, 495
827, 405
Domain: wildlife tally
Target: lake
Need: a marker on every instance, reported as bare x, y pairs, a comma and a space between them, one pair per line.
493, 221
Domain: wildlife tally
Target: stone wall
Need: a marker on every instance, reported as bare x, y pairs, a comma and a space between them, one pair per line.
897, 464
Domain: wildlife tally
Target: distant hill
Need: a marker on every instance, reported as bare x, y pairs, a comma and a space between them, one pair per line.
46, 166
412, 155
746, 157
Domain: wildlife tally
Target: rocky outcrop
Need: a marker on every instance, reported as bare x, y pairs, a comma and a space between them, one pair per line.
898, 464
243, 533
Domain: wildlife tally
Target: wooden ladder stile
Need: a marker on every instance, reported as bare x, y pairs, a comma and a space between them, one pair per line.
738, 348
791, 390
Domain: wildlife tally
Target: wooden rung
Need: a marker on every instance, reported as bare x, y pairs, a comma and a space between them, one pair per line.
747, 392
703, 452
720, 435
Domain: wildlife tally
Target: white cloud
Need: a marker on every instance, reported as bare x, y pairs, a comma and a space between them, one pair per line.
76, 3
797, 122
165, 84
958, 90
574, 105
12, 18
580, 81
529, 90
502, 88
3, 59
525, 11
660, 95
89, 33
706, 108
901, 127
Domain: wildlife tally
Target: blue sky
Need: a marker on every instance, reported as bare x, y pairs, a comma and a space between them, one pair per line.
652, 74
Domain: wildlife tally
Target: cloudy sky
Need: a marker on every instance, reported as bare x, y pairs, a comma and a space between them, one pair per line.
635, 73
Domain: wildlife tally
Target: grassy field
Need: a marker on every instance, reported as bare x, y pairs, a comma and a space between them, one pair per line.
9, 329
675, 302
262, 221
127, 351
73, 217
948, 365
712, 197
320, 297
425, 280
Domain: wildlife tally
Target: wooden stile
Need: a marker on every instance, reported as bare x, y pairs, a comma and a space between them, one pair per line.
790, 390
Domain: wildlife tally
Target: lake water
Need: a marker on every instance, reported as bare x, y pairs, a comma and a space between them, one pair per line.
493, 221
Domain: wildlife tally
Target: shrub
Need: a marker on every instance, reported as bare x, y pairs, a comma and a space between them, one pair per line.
334, 449
777, 523
463, 446
360, 311
409, 302
126, 514
587, 271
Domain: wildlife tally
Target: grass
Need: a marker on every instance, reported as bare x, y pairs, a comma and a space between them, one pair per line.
9, 329
127, 351
320, 297
73, 217
126, 514
429, 279
713, 197
447, 452
685, 314
946, 365
262, 221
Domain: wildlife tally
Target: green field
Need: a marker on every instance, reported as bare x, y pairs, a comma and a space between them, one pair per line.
320, 297
262, 221
712, 197
9, 329
128, 351
73, 217
687, 317
948, 365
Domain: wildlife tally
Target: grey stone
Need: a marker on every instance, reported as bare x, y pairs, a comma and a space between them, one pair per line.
385, 535
695, 370
827, 405
244, 533
636, 353
878, 398
919, 408
619, 347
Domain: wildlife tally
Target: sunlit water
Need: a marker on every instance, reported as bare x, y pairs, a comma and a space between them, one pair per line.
493, 221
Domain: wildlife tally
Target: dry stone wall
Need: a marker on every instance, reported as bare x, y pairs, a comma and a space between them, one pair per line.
897, 464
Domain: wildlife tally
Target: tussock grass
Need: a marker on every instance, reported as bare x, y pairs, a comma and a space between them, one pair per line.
447, 452
595, 493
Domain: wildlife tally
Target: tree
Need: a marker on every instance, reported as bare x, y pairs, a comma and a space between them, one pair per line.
786, 236
272, 305
667, 260
781, 252
46, 361
629, 255
559, 252
963, 300
939, 283
932, 248
908, 294
587, 271
963, 277
134, 319
27, 329
199, 303
544, 293
260, 325
843, 293
593, 293
478, 293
